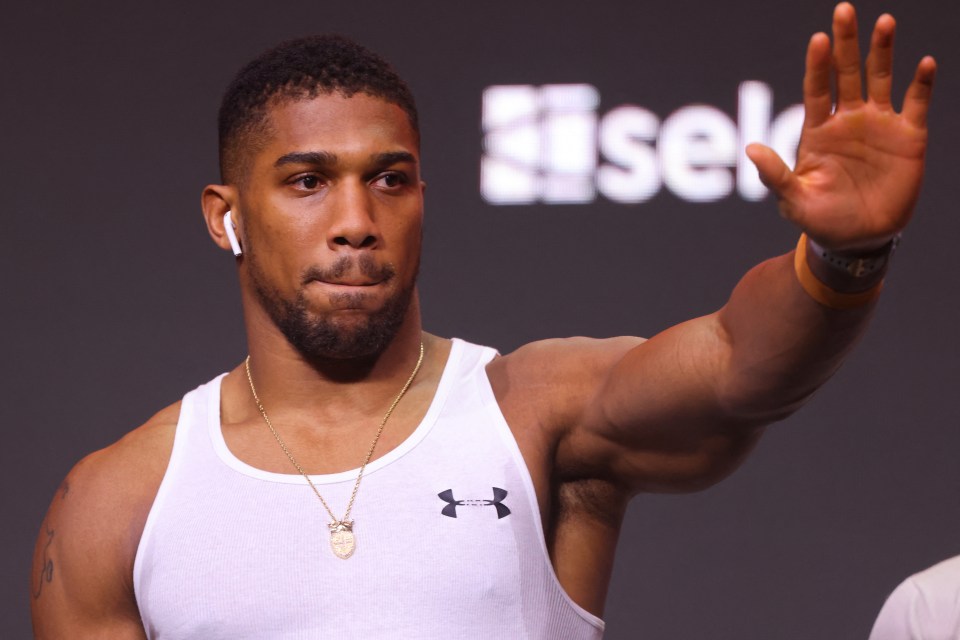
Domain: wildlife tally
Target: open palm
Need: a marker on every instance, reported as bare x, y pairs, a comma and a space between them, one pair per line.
860, 164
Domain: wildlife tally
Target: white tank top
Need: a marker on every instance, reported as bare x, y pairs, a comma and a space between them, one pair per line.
449, 538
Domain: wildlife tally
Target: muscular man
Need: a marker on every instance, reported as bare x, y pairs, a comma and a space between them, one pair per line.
496, 486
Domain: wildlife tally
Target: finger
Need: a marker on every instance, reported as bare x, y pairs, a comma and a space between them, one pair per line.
880, 61
846, 57
817, 103
917, 101
775, 175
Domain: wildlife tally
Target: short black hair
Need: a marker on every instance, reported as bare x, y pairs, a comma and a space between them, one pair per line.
301, 69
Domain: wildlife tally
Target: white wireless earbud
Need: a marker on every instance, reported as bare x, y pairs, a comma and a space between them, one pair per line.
230, 228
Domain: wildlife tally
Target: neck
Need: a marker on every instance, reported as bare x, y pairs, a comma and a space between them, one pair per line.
286, 380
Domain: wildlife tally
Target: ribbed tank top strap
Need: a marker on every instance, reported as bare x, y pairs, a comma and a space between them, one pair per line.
193, 451
473, 359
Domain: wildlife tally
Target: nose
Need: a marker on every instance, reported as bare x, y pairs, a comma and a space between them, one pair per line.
353, 224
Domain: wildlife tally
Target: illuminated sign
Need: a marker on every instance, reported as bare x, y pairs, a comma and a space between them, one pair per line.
548, 144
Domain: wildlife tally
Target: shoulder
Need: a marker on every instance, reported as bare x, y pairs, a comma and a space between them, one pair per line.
559, 359
941, 576
937, 584
937, 590
545, 389
923, 605
122, 473
557, 376
115, 486
83, 562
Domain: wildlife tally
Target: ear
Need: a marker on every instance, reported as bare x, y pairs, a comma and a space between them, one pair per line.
215, 201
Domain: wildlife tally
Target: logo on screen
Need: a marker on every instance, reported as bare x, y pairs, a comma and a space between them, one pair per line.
548, 144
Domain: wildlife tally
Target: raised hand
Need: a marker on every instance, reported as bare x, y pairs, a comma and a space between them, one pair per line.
859, 166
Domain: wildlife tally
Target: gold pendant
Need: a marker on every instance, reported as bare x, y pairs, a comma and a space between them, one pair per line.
342, 540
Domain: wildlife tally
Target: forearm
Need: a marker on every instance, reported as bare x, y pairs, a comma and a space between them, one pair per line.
853, 186
686, 405
782, 343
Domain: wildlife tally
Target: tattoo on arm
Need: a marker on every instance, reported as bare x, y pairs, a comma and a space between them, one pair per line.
46, 567
46, 570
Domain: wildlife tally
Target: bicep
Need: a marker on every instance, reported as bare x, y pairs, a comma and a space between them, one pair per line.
79, 586
665, 389
656, 419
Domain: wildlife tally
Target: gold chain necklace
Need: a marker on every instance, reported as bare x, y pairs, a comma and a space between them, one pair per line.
342, 540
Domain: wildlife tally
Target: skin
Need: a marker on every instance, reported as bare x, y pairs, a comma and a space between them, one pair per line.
596, 420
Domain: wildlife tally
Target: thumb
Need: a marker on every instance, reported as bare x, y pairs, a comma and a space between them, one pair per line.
776, 176
774, 172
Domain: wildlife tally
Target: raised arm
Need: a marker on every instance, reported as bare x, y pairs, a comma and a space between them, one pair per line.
683, 408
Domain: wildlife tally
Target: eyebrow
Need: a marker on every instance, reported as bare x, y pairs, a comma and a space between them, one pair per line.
393, 157
326, 158
321, 158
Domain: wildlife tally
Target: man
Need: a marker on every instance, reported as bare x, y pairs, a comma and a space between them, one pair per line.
357, 477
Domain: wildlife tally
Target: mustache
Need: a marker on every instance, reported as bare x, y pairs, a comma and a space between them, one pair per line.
365, 265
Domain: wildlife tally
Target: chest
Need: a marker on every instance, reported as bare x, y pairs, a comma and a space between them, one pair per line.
448, 529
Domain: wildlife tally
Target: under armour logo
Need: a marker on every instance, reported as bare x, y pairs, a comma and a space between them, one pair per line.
451, 509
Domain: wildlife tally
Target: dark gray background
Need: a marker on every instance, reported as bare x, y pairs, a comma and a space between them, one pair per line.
115, 302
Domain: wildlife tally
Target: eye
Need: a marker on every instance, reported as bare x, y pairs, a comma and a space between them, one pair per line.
308, 182
391, 180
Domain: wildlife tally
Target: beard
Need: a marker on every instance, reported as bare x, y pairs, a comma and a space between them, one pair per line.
320, 338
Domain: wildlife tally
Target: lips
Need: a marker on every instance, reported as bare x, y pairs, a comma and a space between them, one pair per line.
350, 271
350, 283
